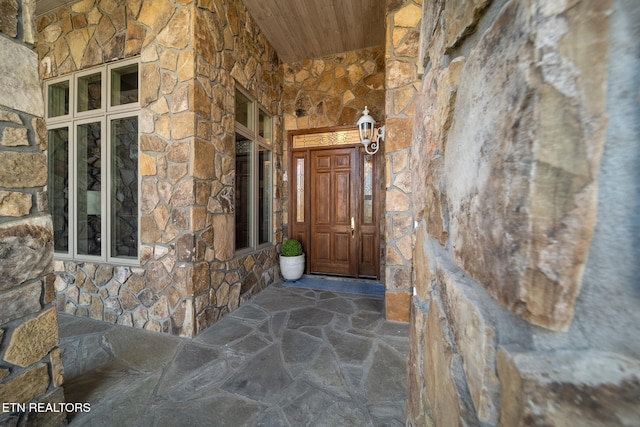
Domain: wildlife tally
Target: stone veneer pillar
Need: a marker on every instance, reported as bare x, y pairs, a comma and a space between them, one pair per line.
30, 362
403, 21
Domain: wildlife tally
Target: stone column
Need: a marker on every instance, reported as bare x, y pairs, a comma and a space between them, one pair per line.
229, 49
403, 34
30, 362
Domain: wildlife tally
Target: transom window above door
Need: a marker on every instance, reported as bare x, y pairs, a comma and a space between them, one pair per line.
93, 185
325, 139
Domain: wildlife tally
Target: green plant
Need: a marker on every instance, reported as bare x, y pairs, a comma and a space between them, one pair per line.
291, 247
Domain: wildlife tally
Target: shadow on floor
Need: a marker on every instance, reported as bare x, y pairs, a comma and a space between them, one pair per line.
288, 357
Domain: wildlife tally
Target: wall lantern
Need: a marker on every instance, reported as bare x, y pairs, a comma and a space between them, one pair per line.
366, 126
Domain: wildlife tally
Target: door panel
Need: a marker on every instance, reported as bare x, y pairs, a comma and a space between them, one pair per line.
322, 247
332, 207
368, 255
343, 245
343, 160
322, 211
342, 193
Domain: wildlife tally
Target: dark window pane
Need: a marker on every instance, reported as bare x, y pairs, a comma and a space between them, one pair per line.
124, 187
59, 187
124, 85
243, 199
90, 92
264, 126
264, 195
89, 204
58, 99
244, 110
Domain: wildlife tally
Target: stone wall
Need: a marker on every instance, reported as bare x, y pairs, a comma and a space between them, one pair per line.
523, 313
30, 362
333, 90
232, 41
403, 21
192, 54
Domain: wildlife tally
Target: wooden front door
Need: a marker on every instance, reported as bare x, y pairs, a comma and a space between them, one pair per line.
334, 210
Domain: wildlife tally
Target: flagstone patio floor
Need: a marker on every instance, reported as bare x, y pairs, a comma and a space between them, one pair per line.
287, 357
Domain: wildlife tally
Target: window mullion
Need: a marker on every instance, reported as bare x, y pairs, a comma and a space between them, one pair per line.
73, 190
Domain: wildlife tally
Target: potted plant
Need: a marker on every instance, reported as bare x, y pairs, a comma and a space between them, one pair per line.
292, 260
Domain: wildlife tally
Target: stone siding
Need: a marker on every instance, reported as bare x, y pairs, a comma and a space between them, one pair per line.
510, 128
333, 90
192, 54
29, 358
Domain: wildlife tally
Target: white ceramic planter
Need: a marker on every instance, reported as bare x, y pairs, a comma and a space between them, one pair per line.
292, 267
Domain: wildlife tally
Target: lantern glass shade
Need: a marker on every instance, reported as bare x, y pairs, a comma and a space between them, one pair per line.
366, 124
366, 132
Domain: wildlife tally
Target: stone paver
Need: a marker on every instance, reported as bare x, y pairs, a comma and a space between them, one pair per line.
288, 357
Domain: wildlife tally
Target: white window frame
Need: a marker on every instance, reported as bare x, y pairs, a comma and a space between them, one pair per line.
104, 115
252, 133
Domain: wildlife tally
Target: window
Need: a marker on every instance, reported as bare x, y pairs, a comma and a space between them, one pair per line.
253, 192
92, 120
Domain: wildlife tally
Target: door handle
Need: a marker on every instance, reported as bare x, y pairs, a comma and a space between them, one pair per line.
353, 227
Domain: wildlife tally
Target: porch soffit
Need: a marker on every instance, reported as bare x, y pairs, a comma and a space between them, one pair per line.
304, 29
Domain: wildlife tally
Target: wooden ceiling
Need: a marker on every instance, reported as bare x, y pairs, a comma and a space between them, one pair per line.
305, 29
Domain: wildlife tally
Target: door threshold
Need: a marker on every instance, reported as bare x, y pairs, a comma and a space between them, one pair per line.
368, 280
348, 285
